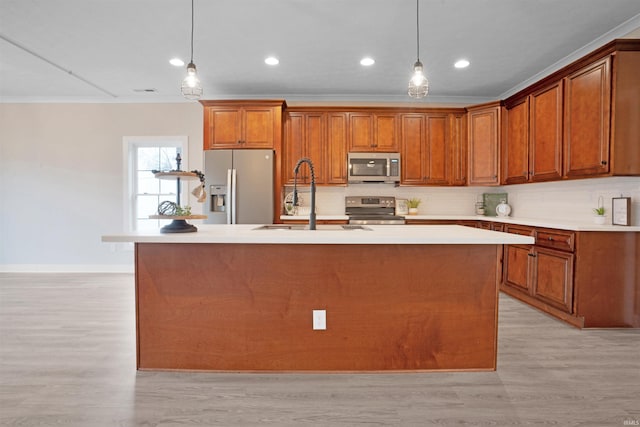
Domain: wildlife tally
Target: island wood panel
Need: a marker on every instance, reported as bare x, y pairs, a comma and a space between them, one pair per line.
249, 307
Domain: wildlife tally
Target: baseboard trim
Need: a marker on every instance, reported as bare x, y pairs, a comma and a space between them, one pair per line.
66, 268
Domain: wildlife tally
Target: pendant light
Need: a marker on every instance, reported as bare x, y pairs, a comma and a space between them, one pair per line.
418, 85
191, 87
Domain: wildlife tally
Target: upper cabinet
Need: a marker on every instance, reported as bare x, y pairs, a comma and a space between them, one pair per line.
532, 137
305, 136
337, 148
413, 130
320, 136
583, 120
484, 143
545, 133
373, 131
433, 148
242, 124
458, 148
587, 118
515, 144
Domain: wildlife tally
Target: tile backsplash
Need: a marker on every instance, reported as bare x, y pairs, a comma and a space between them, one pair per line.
565, 200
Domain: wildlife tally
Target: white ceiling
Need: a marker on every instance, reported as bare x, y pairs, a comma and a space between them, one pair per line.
103, 50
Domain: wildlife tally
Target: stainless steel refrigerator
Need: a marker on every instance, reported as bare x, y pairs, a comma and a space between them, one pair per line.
240, 184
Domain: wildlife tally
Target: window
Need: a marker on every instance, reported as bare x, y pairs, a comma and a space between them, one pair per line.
144, 192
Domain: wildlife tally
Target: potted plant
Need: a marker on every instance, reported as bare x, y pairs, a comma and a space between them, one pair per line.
413, 204
599, 217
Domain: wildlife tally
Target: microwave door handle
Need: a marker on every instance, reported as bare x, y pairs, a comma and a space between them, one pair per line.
388, 166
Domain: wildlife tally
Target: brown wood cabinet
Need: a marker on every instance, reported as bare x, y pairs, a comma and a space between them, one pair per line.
458, 149
588, 279
583, 119
242, 124
484, 144
515, 146
337, 134
305, 136
538, 272
545, 133
587, 120
373, 131
431, 147
413, 131
320, 136
532, 145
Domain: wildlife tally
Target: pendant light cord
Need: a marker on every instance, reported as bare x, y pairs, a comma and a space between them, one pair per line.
417, 30
191, 31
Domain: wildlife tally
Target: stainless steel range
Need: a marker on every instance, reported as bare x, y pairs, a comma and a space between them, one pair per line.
372, 210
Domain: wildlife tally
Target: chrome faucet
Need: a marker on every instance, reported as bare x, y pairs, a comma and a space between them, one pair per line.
312, 214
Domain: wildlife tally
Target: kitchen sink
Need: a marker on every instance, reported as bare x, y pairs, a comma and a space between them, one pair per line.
326, 227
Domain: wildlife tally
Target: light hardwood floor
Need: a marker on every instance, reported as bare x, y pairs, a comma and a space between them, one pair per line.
67, 358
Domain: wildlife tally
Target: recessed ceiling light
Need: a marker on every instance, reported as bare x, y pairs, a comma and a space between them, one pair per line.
367, 62
176, 62
463, 63
272, 60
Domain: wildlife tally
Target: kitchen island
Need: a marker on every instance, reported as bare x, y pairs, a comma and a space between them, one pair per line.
390, 298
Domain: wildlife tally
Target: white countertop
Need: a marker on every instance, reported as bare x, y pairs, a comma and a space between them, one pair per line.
534, 222
379, 234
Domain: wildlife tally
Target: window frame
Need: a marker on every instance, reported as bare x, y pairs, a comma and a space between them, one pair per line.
129, 151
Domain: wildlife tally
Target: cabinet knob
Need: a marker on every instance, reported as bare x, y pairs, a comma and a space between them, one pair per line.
551, 238
603, 163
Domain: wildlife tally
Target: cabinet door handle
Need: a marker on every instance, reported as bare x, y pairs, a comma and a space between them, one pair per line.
551, 238
603, 163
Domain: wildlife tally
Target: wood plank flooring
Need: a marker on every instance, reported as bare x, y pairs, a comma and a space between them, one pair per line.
67, 358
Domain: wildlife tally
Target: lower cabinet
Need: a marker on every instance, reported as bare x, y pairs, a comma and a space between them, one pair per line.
553, 278
589, 279
516, 267
541, 272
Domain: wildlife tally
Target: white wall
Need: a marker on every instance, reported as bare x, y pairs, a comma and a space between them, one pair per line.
61, 184
565, 200
61, 179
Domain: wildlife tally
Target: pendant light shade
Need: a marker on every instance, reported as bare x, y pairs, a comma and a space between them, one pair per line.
191, 87
418, 85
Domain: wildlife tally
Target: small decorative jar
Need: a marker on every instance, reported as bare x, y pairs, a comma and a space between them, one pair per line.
503, 209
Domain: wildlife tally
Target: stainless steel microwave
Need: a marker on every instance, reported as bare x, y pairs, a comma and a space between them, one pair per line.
374, 168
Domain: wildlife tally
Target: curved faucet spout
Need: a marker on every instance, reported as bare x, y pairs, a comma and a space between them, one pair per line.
312, 214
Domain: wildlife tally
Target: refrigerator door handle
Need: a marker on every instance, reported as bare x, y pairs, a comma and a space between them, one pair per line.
234, 203
229, 202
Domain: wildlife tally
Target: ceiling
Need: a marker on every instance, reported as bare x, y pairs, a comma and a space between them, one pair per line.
110, 50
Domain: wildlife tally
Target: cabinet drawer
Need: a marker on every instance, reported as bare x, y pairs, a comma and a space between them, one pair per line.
519, 229
555, 239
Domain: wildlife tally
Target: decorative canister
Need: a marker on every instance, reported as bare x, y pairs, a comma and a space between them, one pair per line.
503, 209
